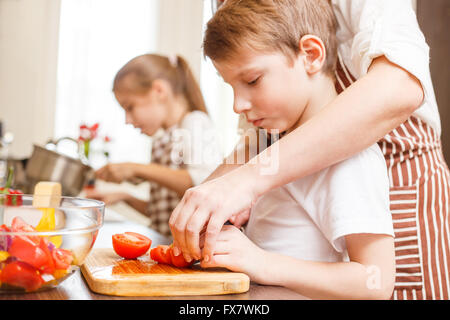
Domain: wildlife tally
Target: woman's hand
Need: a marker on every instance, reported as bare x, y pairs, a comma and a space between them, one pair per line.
236, 252
107, 198
206, 208
116, 172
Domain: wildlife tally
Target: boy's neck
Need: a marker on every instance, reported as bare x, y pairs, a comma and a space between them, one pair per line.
322, 94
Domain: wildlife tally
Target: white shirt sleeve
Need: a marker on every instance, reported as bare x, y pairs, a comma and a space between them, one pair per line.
201, 149
348, 198
369, 29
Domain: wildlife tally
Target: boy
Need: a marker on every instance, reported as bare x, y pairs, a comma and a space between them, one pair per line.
328, 235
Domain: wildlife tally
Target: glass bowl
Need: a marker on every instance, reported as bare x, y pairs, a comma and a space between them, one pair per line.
42, 245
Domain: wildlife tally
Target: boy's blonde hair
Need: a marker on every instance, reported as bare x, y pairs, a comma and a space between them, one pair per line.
271, 25
146, 68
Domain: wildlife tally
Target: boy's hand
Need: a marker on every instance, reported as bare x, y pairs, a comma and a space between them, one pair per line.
236, 252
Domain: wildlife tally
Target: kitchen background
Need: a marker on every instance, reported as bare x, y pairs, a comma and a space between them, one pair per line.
58, 59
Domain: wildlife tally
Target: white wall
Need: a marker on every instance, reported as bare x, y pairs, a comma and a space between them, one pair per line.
28, 61
180, 30
28, 55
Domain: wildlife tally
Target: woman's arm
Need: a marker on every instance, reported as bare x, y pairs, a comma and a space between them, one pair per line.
370, 273
246, 148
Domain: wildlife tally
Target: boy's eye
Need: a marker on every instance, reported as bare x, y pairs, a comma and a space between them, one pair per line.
253, 82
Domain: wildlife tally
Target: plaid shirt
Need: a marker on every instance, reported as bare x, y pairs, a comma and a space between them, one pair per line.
163, 200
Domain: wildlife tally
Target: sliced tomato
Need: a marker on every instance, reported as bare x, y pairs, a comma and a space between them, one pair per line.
21, 274
49, 266
19, 225
4, 227
178, 261
130, 245
27, 251
62, 258
5, 240
161, 254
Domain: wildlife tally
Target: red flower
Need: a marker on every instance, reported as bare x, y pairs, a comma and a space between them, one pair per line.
88, 133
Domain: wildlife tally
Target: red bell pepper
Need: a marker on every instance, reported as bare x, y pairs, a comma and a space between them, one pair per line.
13, 197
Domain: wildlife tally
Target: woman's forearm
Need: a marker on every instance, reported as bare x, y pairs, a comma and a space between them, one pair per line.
221, 170
326, 280
360, 116
178, 180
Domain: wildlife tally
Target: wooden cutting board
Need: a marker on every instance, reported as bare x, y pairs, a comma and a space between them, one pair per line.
107, 273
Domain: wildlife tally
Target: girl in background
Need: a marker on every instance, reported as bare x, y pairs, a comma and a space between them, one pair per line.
159, 92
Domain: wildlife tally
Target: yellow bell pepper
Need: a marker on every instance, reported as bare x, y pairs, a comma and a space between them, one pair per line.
3, 255
47, 223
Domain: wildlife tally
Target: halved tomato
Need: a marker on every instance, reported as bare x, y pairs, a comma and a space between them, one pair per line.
130, 245
178, 261
19, 225
62, 258
21, 274
49, 266
161, 254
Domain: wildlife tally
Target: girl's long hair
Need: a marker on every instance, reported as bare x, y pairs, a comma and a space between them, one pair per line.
175, 70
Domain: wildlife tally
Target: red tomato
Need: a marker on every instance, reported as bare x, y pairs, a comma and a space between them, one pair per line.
161, 254
22, 275
4, 227
26, 250
130, 245
62, 258
13, 197
19, 225
178, 261
49, 266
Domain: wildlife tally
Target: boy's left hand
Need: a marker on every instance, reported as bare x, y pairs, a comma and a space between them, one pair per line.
236, 252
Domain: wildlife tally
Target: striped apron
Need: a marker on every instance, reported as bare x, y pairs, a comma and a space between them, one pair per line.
419, 182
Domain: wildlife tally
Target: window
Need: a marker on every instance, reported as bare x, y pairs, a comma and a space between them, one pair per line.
97, 37
219, 97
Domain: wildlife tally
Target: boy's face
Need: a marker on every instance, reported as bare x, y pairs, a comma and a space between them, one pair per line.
271, 92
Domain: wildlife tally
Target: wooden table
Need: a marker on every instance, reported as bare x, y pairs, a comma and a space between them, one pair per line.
76, 288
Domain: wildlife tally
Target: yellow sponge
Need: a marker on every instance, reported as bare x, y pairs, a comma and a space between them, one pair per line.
47, 194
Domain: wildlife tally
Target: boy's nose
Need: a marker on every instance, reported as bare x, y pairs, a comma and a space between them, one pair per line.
128, 119
241, 105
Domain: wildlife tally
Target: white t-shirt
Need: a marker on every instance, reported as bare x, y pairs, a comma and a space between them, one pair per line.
368, 29
308, 218
200, 144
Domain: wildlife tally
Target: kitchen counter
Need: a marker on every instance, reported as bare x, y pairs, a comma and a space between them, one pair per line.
76, 288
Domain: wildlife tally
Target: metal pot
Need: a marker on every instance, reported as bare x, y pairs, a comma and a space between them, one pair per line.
49, 165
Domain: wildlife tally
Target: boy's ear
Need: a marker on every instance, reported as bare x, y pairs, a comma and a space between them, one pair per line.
313, 50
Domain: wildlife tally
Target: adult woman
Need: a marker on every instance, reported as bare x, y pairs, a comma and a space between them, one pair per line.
388, 97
